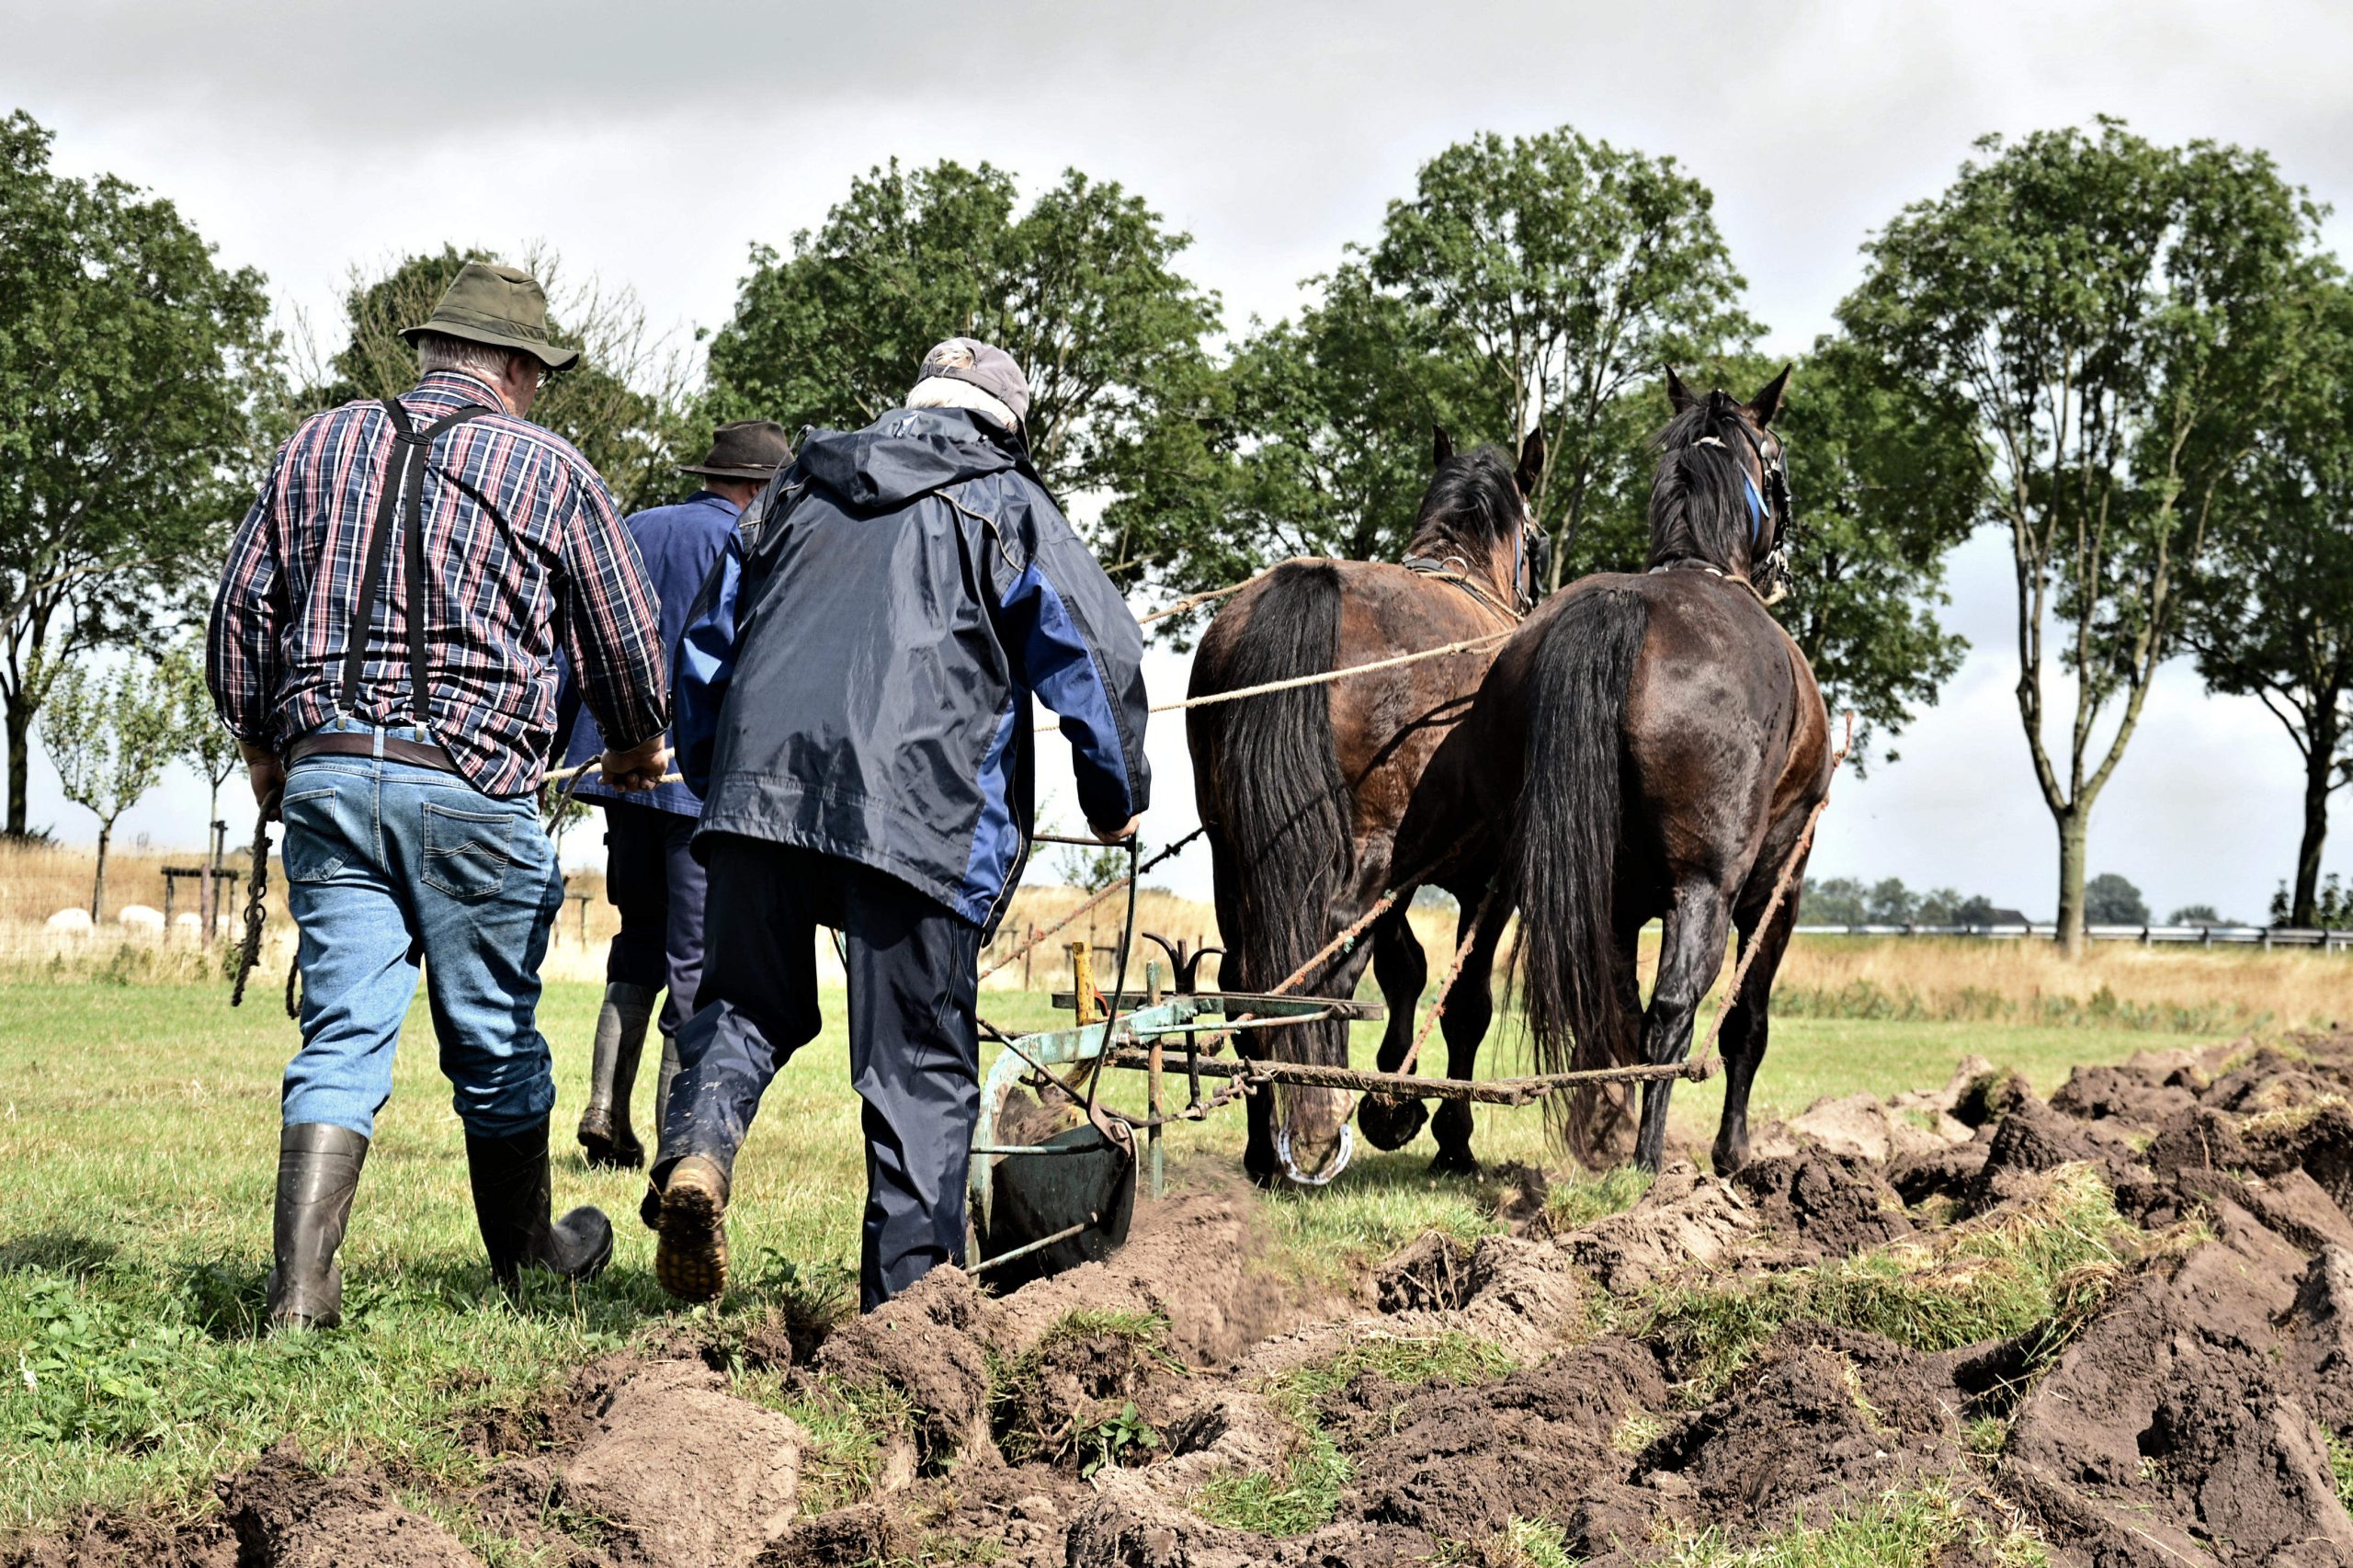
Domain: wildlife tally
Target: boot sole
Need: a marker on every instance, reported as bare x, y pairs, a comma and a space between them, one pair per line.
691, 1260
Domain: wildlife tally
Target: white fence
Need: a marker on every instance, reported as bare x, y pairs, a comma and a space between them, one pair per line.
2265, 936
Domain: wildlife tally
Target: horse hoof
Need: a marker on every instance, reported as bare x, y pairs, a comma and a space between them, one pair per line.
1388, 1122
1454, 1163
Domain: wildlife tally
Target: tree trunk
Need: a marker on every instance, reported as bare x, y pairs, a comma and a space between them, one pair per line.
20, 764
2320, 764
2074, 825
99, 886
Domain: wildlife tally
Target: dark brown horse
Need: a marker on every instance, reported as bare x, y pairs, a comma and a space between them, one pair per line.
1652, 745
1302, 791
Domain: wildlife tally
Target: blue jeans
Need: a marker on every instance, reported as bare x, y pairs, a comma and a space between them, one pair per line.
386, 865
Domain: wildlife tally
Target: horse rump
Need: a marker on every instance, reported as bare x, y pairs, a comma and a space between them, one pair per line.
1561, 859
1276, 800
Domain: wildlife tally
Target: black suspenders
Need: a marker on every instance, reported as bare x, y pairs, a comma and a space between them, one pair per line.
404, 474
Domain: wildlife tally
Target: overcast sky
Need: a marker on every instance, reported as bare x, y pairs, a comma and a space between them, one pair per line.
651, 144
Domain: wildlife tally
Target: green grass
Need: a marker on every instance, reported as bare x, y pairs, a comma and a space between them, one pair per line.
137, 1133
1911, 1528
2047, 1262
1521, 1543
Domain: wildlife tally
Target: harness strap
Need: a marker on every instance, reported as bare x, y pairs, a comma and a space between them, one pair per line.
404, 475
1429, 566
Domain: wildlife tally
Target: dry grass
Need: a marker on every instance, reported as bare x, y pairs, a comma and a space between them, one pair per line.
1959, 979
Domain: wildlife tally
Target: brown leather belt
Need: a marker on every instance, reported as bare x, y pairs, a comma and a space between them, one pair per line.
361, 743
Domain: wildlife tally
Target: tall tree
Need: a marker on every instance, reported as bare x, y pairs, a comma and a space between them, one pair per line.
1883, 492
629, 405
2109, 318
1337, 409
1081, 289
130, 367
110, 737
1569, 271
2272, 611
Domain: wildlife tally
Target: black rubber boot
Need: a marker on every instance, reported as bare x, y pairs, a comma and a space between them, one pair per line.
318, 1171
662, 1084
605, 1131
513, 1201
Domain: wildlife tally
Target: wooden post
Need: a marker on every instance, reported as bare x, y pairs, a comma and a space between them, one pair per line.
1082, 981
1028, 952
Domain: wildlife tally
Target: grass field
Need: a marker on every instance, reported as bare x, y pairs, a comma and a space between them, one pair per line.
138, 1126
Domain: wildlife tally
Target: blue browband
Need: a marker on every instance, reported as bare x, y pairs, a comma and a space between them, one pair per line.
1756, 501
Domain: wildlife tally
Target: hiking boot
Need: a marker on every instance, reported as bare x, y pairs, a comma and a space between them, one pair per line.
691, 1260
605, 1132
512, 1188
318, 1171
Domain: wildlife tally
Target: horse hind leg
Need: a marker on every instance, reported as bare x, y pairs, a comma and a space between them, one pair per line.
1746, 1027
1469, 1008
1691, 954
1390, 1121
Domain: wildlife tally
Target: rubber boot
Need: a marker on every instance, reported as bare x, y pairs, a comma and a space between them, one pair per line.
662, 1086
318, 1171
691, 1260
513, 1201
605, 1131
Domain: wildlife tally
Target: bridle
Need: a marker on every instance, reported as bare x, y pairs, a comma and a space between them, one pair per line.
1769, 569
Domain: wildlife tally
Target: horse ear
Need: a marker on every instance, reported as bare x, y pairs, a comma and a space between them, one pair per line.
1532, 463
1445, 445
1679, 396
1766, 403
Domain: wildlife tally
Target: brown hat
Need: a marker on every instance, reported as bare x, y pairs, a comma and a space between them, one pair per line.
499, 306
749, 449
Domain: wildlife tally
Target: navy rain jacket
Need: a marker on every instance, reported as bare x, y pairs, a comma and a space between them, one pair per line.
678, 546
858, 681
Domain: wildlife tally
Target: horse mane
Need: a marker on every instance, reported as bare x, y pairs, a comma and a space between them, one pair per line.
1699, 497
1473, 501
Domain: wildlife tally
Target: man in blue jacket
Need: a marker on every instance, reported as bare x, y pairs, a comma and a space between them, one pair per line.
854, 708
650, 875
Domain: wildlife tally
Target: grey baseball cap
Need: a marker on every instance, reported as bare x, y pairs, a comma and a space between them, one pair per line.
982, 365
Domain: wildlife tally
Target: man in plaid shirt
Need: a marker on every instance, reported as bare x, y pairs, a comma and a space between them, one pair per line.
384, 649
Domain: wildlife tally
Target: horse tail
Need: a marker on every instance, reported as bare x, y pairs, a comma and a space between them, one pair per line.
1280, 802
1560, 863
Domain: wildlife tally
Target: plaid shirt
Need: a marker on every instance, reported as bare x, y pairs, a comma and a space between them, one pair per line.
526, 554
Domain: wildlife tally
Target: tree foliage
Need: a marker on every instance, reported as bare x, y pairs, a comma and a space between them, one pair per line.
1565, 272
628, 404
2105, 318
109, 738
2111, 899
1081, 289
197, 736
2272, 609
130, 363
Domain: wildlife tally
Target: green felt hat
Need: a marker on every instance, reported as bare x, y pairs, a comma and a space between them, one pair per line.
499, 306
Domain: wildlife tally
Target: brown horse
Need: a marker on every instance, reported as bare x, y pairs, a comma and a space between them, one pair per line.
1650, 746
1302, 791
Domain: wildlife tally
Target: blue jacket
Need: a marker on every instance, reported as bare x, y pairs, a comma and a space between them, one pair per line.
679, 545
857, 680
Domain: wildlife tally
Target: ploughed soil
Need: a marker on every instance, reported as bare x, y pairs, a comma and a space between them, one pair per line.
1721, 1360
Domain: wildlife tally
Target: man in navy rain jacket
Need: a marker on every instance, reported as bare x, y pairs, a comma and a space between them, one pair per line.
651, 874
853, 706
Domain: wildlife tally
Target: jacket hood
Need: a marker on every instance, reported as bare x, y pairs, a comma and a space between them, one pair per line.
904, 455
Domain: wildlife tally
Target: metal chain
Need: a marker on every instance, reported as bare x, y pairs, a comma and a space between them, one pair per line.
256, 908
